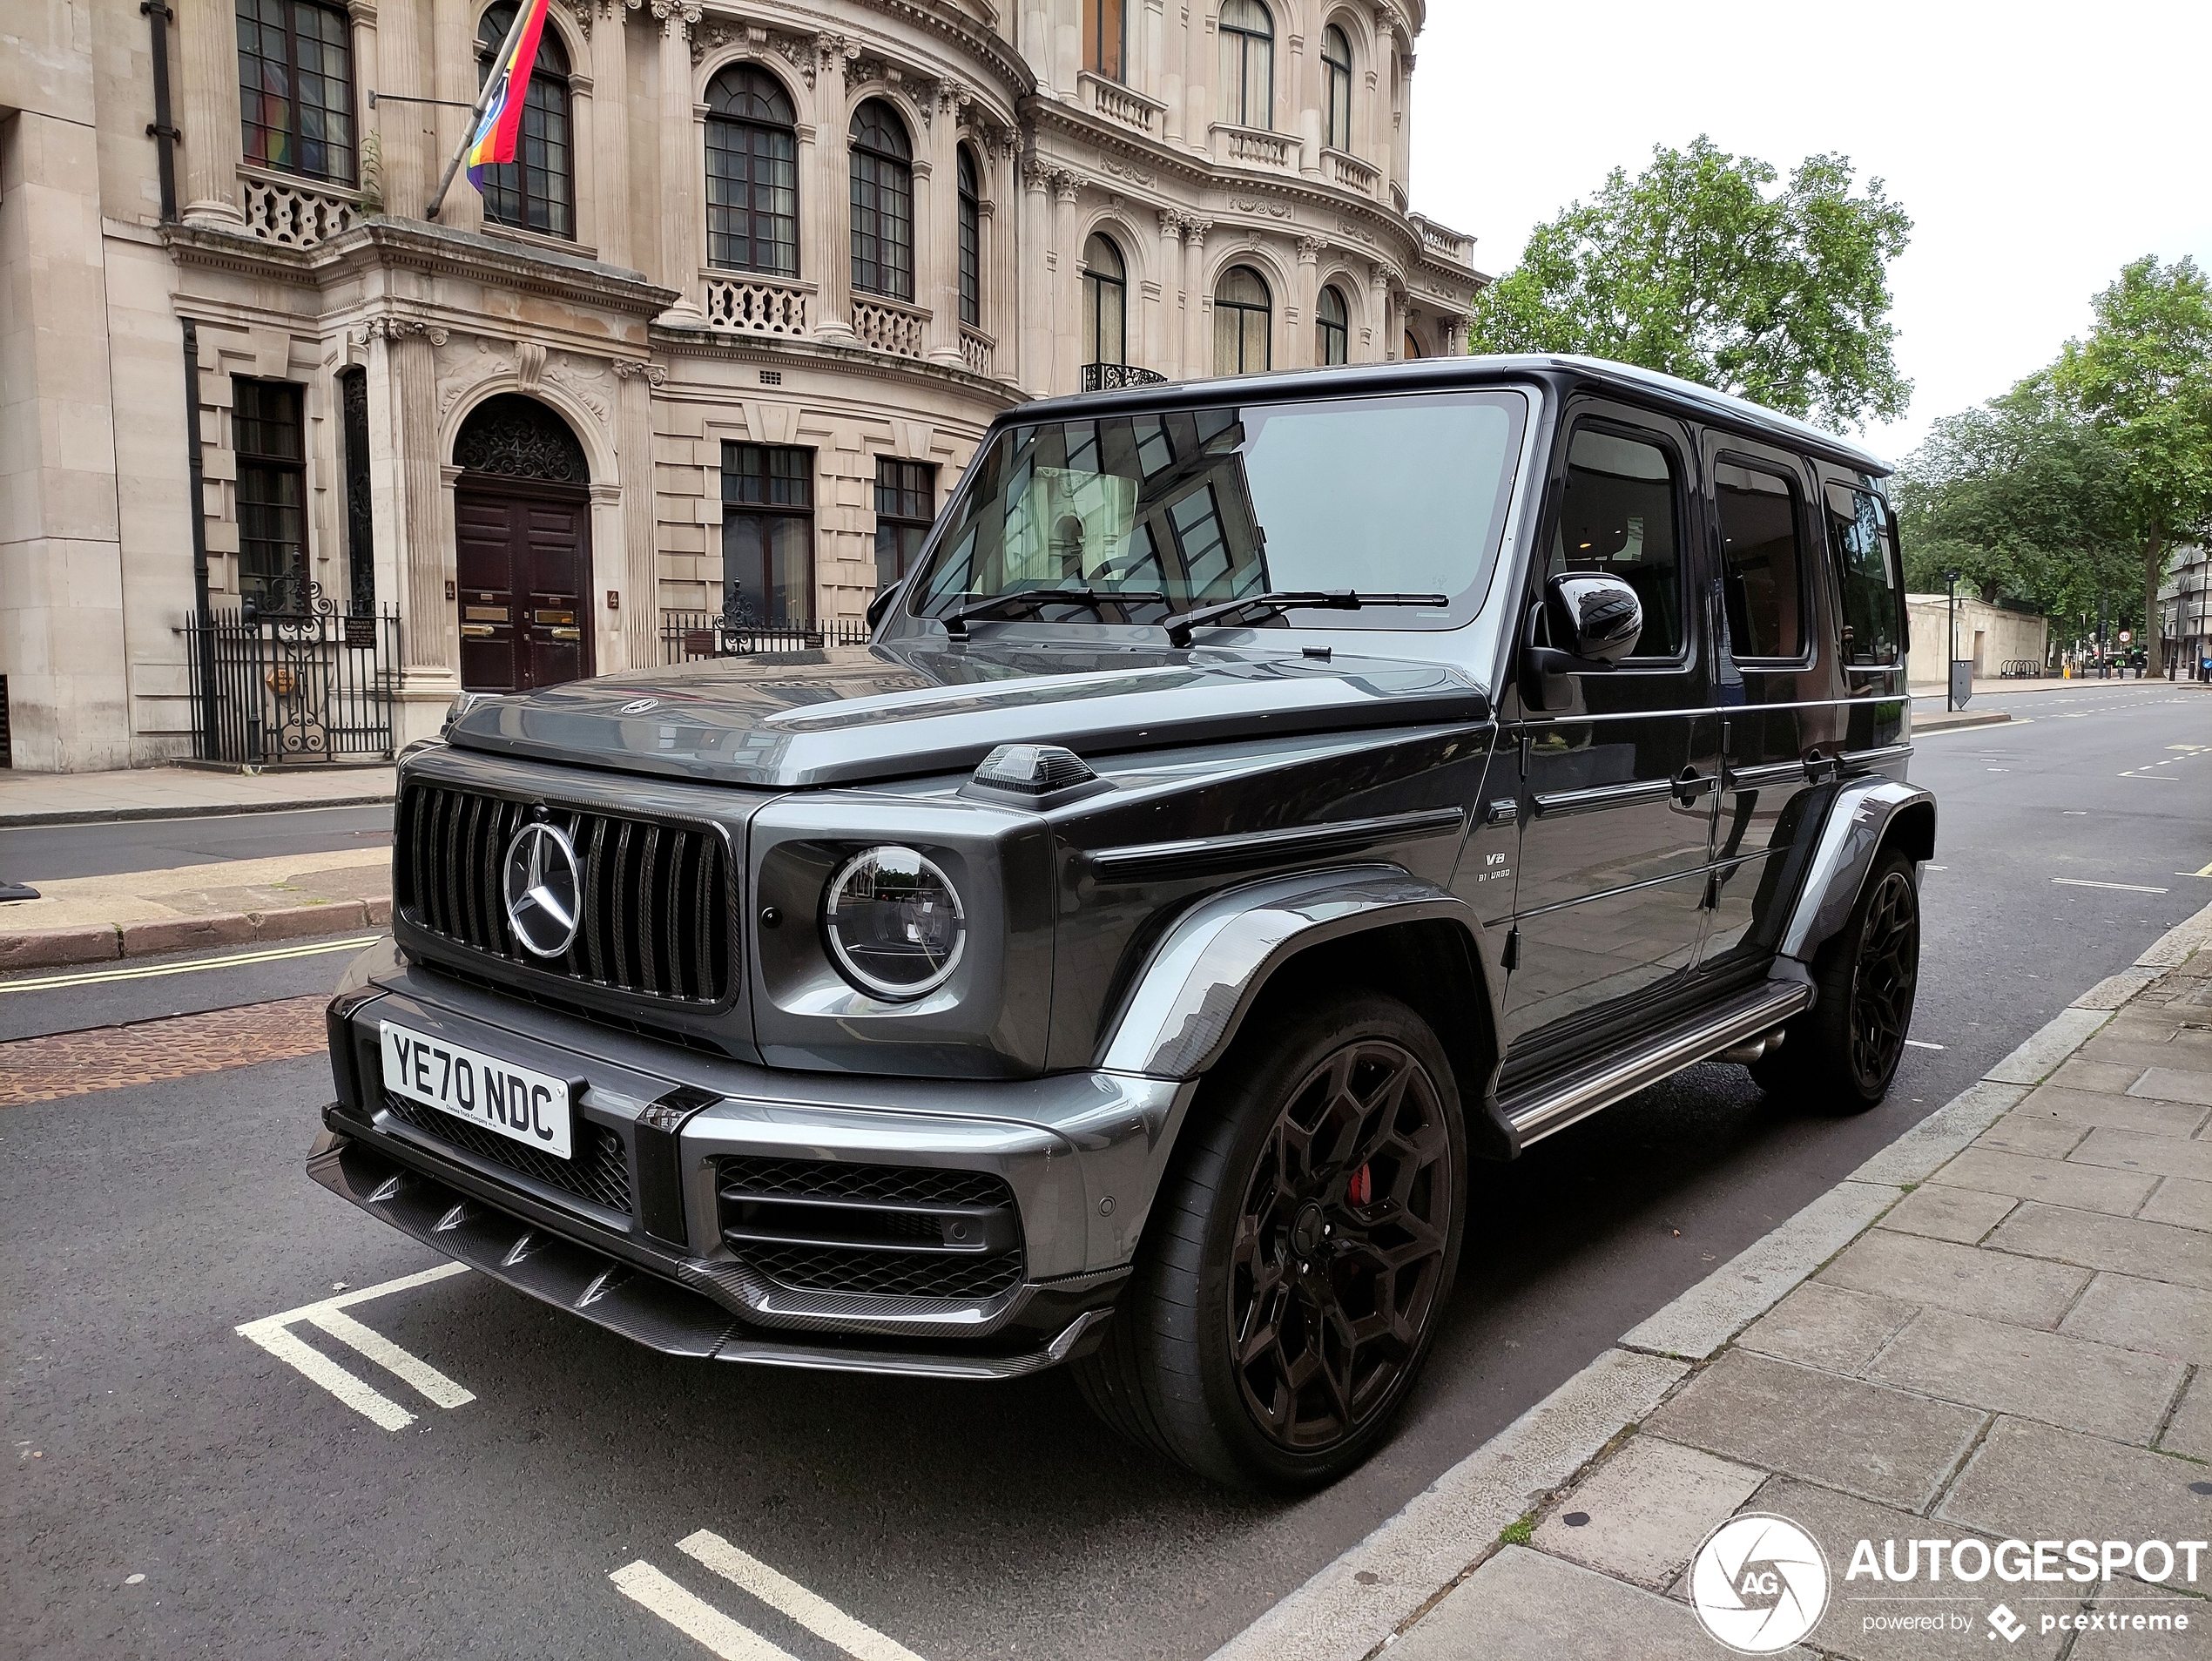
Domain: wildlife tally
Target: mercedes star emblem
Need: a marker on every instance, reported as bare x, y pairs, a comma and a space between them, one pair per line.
639, 706
544, 888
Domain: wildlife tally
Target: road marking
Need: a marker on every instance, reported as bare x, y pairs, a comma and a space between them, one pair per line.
1921, 1044
2207, 871
818, 1616
95, 978
2123, 888
273, 1333
693, 1617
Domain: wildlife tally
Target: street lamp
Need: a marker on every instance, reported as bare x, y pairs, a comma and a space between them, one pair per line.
1950, 649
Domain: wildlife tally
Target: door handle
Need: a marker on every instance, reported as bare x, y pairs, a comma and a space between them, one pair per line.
1501, 811
1692, 783
1821, 769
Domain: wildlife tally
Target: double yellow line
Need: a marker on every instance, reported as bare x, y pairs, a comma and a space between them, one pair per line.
149, 971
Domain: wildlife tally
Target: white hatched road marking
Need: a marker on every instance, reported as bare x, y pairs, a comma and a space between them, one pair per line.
273, 1333
732, 1640
2123, 888
153, 971
692, 1616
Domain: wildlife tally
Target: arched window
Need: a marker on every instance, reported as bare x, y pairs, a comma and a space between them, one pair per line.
751, 173
883, 203
1413, 349
1336, 60
1105, 303
1105, 37
1333, 317
532, 193
1243, 317
295, 72
1247, 63
971, 240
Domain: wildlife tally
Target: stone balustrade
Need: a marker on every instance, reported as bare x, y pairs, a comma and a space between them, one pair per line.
889, 326
294, 214
747, 303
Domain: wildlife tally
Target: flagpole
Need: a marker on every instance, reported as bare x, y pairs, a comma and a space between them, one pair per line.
476, 111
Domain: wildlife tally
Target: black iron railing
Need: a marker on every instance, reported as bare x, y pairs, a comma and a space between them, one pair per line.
292, 679
1119, 377
686, 636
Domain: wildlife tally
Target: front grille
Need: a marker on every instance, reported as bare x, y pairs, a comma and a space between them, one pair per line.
885, 1231
654, 916
599, 1174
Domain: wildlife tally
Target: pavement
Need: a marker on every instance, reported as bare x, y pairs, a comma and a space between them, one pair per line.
181, 1487
1997, 1331
175, 792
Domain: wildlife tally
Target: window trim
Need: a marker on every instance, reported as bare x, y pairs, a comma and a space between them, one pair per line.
1095, 40
905, 167
351, 178
1245, 36
1323, 326
809, 475
923, 524
1792, 469
1266, 311
1624, 425
1892, 557
268, 462
748, 124
967, 175
555, 81
1095, 282
1332, 70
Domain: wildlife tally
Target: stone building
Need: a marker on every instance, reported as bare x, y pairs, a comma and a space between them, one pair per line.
731, 325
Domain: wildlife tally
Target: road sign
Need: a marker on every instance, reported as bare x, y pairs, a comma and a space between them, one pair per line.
2125, 636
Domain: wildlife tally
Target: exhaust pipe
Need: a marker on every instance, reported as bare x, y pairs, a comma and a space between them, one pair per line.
1746, 1053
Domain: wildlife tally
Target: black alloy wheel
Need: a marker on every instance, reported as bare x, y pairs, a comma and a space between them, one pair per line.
1340, 1244
1883, 977
1299, 1255
1840, 1055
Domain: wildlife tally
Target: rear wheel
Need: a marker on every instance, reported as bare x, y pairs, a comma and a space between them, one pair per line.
1299, 1256
1842, 1053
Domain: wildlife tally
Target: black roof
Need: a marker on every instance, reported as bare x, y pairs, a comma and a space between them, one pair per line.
1643, 386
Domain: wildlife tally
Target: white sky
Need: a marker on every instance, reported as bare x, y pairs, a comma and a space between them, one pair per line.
2037, 148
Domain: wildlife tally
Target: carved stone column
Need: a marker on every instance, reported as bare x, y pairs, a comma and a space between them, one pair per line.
402, 354
1067, 288
937, 225
682, 173
1306, 328
833, 179
1167, 343
407, 133
1036, 367
641, 560
1198, 348
452, 55
211, 143
610, 155
1382, 347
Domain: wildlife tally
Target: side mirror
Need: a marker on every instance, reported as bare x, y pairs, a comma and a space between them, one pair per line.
1598, 620
882, 603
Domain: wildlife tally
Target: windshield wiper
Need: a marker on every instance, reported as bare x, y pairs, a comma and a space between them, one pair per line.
1179, 626
1031, 599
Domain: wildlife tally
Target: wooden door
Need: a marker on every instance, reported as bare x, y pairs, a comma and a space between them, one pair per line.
524, 564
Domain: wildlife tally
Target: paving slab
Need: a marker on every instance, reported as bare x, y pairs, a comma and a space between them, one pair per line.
2107, 1107
2152, 1045
2055, 1182
2147, 1315
1881, 1444
2039, 1135
2180, 1202
2155, 1251
1642, 1512
2030, 1480
2109, 1076
1861, 1622
2175, 1084
1523, 1605
1935, 1139
1948, 1213
1826, 1327
2132, 1151
2177, 1643
1964, 1278
2071, 1381
2190, 1433
2049, 1047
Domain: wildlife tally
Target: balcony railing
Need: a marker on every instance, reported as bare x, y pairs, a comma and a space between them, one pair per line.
1254, 147
1117, 104
889, 327
1353, 175
747, 303
294, 214
687, 637
975, 349
1119, 377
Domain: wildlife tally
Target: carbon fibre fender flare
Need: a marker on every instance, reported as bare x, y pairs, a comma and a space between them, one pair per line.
1860, 819
1204, 975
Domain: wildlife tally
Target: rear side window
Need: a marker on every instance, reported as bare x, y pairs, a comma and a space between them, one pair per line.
1761, 565
1617, 518
1859, 532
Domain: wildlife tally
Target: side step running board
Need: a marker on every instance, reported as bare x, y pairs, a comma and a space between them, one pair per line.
1553, 1104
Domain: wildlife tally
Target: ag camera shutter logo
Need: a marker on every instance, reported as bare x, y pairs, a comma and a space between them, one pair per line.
1759, 1583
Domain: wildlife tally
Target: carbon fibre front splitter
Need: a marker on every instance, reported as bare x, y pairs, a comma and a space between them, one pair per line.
640, 1306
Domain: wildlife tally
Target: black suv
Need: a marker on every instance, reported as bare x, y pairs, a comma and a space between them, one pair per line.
1264, 798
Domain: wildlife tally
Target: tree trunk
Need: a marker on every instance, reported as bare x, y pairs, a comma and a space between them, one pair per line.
2154, 574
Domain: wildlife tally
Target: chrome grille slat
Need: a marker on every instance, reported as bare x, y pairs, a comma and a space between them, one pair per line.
657, 901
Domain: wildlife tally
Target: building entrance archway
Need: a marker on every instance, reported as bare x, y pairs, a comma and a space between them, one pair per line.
522, 513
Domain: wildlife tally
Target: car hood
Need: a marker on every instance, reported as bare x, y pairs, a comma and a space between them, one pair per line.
850, 715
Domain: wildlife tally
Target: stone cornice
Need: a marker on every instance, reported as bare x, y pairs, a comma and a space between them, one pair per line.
781, 352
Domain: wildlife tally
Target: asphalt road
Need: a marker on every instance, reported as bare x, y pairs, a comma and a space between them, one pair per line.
37, 854
142, 1225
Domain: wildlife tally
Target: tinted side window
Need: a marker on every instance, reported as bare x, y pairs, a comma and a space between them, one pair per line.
1760, 564
1858, 531
1618, 517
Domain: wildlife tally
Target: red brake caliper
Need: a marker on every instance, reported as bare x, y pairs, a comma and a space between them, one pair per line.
1361, 1188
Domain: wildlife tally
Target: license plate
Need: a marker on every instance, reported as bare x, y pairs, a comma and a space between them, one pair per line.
494, 1095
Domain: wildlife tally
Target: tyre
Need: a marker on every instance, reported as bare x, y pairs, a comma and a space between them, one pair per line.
1841, 1053
1299, 1255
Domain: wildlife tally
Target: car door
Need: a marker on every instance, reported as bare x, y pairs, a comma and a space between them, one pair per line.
1615, 822
1779, 726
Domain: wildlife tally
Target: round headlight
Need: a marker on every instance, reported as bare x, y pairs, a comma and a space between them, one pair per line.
894, 922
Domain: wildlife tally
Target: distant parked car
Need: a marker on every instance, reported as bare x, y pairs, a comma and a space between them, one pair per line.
1267, 798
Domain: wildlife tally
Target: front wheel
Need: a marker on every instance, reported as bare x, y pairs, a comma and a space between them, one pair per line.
1842, 1053
1299, 1256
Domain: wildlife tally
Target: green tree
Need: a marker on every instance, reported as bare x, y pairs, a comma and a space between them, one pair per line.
1696, 267
2144, 379
2022, 496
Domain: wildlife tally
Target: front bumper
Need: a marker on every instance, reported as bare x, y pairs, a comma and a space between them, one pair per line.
654, 1251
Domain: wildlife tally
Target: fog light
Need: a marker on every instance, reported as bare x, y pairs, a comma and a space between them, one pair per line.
893, 923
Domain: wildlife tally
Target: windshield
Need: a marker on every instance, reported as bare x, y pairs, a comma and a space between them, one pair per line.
1387, 494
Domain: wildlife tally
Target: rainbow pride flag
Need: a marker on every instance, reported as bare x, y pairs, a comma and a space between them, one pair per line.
501, 124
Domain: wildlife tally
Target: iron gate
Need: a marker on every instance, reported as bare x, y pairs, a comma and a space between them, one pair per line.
292, 679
